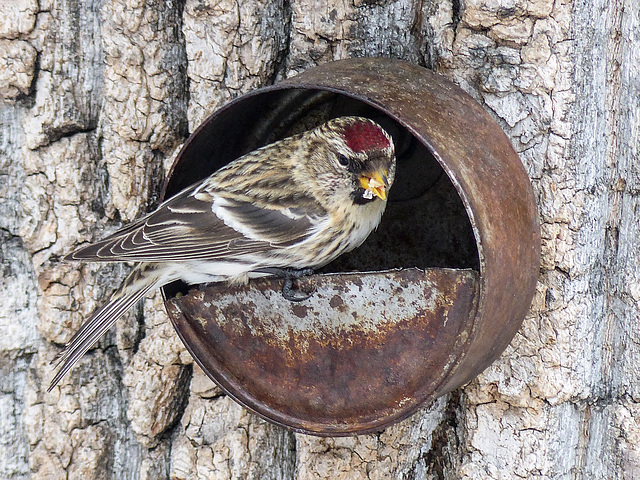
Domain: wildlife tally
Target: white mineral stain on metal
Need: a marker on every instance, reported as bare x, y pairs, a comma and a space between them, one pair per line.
365, 304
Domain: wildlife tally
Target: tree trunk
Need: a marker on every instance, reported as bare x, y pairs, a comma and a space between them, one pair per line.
99, 95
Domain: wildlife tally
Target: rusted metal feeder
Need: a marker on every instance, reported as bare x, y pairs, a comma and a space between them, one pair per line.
441, 287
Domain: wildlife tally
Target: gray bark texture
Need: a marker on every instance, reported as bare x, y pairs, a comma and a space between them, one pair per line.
97, 97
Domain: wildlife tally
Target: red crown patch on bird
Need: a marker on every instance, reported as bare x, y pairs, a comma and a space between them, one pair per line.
364, 136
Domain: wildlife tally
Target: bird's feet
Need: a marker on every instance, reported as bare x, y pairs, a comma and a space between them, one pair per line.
289, 275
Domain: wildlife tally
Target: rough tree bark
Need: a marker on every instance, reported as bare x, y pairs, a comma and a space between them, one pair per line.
97, 97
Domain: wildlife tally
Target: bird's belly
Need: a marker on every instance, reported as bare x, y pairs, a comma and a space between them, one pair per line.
195, 273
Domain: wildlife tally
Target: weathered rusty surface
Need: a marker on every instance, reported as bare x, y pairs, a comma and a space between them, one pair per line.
487, 222
487, 173
362, 352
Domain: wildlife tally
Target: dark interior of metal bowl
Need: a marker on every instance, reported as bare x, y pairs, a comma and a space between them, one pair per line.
425, 224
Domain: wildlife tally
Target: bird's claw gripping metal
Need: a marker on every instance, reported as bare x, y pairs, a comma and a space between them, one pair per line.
289, 275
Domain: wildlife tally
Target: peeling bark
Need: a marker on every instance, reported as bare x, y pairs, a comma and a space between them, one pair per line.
97, 97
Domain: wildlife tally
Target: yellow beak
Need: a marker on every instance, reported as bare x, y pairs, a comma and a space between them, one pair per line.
375, 183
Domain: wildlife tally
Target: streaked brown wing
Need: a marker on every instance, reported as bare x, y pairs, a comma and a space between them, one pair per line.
185, 227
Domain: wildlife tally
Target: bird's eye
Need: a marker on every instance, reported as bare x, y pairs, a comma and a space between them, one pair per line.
342, 160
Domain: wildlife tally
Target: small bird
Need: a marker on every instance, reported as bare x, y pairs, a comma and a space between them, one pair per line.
285, 208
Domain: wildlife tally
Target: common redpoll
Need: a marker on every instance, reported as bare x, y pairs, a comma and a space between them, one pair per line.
295, 204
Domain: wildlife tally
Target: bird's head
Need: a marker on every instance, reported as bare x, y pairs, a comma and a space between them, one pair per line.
355, 158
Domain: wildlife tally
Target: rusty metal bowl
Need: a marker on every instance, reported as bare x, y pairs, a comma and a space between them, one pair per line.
441, 287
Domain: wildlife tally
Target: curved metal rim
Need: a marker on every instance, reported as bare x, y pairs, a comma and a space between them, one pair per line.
447, 383
236, 389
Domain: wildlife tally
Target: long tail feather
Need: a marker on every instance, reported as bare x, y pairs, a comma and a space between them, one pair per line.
141, 280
